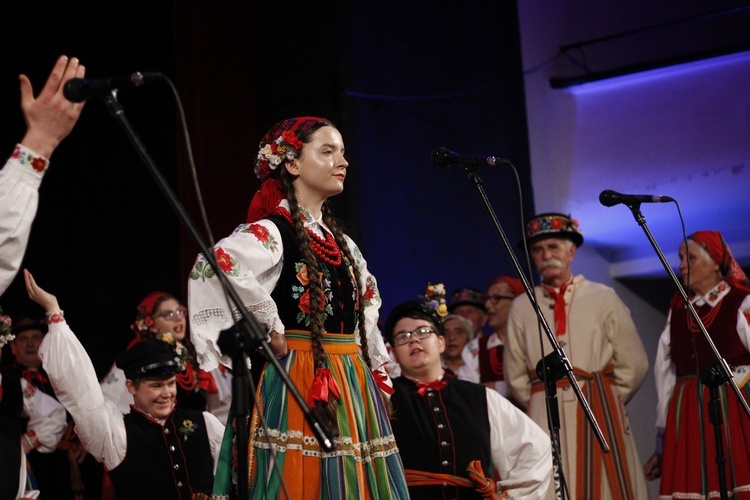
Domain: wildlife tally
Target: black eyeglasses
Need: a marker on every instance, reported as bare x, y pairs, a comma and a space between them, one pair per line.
422, 332
180, 312
494, 299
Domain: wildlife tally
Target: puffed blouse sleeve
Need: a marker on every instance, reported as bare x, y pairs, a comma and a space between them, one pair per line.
252, 259
664, 374
371, 297
19, 197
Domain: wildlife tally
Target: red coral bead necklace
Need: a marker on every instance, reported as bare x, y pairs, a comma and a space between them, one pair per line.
326, 249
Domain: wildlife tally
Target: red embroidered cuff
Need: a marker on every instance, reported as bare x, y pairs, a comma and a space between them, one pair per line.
25, 156
56, 317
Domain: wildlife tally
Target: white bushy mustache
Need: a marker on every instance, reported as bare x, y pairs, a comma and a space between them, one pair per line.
550, 263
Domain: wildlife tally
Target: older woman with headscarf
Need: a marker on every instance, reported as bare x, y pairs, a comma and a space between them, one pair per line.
686, 449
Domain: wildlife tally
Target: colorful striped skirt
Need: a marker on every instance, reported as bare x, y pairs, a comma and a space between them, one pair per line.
365, 462
689, 468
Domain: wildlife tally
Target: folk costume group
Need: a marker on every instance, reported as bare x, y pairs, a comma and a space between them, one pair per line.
422, 434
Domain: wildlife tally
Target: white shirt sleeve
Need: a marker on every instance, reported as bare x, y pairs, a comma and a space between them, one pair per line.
47, 419
372, 302
743, 317
664, 374
19, 197
218, 404
215, 431
521, 450
470, 356
99, 424
114, 389
252, 259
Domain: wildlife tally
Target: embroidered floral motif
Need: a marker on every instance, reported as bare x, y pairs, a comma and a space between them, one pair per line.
302, 294
371, 291
38, 163
746, 312
202, 269
263, 236
29, 391
188, 427
714, 294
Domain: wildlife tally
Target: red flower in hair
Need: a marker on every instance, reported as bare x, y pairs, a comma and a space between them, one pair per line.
291, 139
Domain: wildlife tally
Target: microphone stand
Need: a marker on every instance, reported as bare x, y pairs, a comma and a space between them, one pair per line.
552, 366
712, 377
240, 340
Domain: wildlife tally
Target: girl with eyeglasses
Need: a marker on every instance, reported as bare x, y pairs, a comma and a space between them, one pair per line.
160, 315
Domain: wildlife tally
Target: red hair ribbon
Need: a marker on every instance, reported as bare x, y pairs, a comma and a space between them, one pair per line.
323, 385
381, 379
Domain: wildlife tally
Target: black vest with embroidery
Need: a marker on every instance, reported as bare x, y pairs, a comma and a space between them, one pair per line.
169, 462
442, 432
292, 292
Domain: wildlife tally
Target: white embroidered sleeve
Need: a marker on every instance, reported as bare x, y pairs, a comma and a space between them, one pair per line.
252, 259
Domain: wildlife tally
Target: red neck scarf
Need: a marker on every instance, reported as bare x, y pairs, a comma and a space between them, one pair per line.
561, 322
34, 378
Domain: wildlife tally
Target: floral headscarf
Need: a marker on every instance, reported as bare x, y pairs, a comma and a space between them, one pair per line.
281, 143
143, 319
715, 245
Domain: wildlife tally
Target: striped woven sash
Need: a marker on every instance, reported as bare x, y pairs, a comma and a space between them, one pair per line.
599, 392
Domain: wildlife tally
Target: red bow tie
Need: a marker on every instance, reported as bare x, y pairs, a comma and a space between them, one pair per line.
423, 387
34, 378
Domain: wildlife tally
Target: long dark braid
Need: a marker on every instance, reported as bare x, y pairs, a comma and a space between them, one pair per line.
338, 234
326, 412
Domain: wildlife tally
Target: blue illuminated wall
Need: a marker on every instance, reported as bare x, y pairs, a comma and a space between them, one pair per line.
425, 75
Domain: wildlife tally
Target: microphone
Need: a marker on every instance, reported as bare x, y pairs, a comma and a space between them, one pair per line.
80, 89
444, 157
610, 198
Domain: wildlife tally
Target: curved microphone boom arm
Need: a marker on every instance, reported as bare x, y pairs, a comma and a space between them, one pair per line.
554, 365
243, 337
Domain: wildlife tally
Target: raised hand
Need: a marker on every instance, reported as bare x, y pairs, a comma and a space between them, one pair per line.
39, 295
50, 117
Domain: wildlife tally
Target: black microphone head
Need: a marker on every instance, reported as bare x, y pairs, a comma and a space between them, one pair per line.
609, 198
76, 89
443, 157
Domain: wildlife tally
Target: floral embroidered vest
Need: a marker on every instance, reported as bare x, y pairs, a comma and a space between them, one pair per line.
292, 292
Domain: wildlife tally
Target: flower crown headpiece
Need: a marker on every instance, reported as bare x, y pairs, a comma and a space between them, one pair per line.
5, 329
433, 302
281, 144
